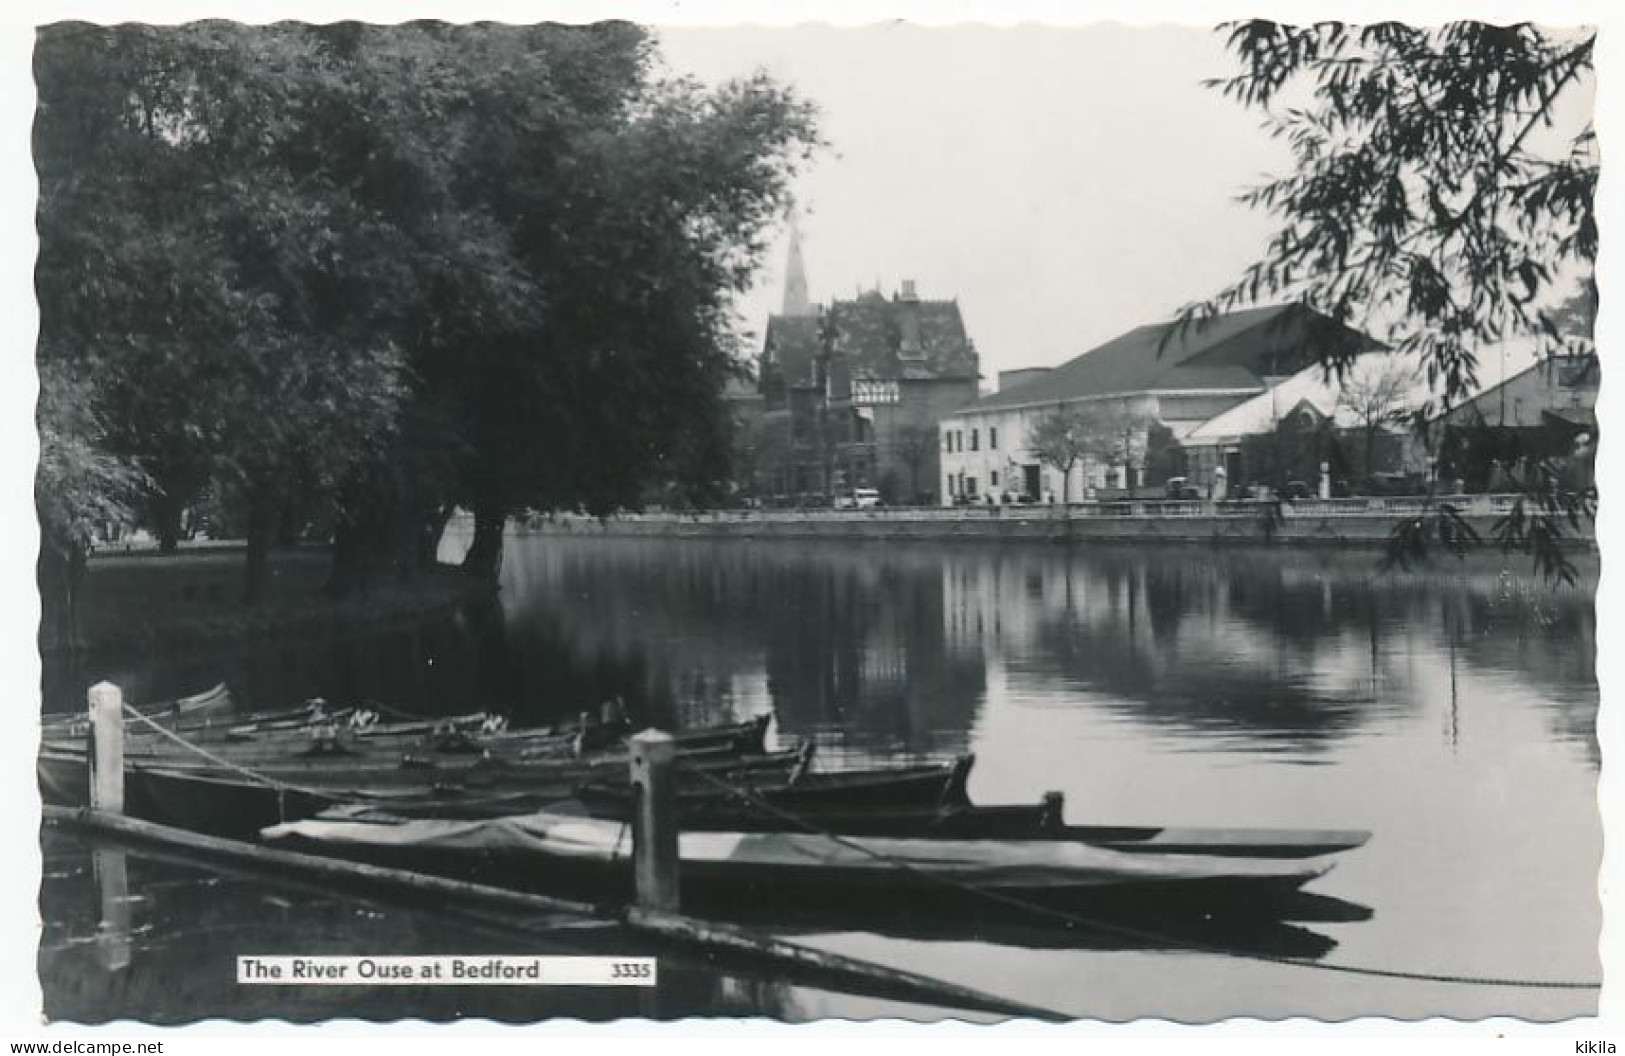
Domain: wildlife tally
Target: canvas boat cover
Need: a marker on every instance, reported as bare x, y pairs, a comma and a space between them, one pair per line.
996, 863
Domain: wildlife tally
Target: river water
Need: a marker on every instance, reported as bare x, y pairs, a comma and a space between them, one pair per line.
1450, 712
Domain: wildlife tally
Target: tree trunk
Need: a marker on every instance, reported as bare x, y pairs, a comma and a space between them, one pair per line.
484, 557
386, 540
353, 568
262, 525
61, 573
166, 521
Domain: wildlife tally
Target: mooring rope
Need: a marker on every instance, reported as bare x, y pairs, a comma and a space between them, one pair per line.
1130, 932
759, 801
276, 784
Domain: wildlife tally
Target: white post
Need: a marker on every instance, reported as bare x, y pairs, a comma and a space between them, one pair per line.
654, 819
1326, 480
107, 748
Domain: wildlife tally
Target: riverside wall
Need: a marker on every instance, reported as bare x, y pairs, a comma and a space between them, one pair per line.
1338, 523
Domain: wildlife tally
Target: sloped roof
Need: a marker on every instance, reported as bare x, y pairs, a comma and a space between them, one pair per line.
887, 339
1311, 386
880, 338
1233, 351
791, 346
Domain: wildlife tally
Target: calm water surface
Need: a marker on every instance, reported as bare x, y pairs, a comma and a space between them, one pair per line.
1451, 713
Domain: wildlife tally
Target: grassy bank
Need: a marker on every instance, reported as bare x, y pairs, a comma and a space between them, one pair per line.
146, 600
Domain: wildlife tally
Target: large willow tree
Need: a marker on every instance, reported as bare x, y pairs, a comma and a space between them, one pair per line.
1441, 197
370, 273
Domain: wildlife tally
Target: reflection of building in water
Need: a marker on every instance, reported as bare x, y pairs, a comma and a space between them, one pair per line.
864, 651
1244, 645
996, 602
690, 634
1177, 639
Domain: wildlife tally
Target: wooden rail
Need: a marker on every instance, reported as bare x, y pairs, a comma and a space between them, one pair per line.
792, 961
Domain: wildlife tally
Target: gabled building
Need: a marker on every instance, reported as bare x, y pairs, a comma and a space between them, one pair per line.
861, 383
1548, 410
1181, 378
1368, 409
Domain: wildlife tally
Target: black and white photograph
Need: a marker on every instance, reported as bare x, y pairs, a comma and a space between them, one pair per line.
639, 518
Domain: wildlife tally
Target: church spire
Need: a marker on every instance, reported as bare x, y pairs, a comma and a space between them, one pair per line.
795, 276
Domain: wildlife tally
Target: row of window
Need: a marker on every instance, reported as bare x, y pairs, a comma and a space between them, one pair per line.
966, 486
954, 439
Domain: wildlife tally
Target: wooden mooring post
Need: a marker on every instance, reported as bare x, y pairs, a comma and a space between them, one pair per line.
107, 748
654, 820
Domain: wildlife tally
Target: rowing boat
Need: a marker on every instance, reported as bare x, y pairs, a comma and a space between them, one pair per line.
199, 708
707, 804
226, 800
459, 741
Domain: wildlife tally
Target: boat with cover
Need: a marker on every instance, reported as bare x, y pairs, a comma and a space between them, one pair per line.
546, 846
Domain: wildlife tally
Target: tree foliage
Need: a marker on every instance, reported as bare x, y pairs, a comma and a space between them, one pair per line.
1442, 189
1376, 392
402, 268
1061, 439
1116, 433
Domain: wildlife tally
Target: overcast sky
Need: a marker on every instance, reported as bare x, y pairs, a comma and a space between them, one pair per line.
1066, 184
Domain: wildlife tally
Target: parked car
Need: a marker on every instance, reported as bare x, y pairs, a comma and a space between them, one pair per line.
1181, 488
859, 499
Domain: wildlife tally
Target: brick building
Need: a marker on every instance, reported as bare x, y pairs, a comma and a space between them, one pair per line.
857, 388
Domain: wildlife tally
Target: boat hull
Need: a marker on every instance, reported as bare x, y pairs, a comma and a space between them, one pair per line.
572, 850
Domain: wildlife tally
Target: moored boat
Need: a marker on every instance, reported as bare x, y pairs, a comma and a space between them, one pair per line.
224, 799
447, 743
862, 804
545, 844
197, 708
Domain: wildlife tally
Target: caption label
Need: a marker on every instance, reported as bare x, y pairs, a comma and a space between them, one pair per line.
485, 970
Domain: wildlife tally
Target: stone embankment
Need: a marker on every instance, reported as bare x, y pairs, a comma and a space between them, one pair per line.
1310, 522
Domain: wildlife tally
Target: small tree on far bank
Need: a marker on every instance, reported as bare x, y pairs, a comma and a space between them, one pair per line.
1059, 440
1376, 393
915, 443
1117, 435
1164, 456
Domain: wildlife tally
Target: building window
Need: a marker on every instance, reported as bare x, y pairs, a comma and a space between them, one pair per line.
951, 484
993, 438
947, 442
973, 439
959, 440
867, 392
993, 478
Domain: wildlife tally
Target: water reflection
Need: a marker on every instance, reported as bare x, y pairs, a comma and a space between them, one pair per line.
886, 649
1450, 712
892, 647
154, 938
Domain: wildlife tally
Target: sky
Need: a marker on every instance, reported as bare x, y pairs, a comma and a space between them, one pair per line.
1065, 184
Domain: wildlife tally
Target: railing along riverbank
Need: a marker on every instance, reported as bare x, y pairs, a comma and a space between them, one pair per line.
1366, 521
